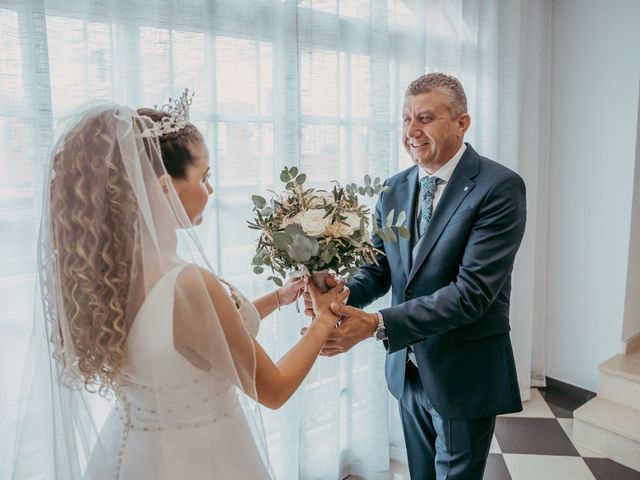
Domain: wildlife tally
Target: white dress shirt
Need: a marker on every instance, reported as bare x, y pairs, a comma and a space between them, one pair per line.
444, 173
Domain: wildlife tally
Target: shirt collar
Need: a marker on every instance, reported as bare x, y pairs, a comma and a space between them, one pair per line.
445, 171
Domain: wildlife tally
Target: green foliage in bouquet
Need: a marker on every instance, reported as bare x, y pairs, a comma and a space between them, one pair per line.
304, 228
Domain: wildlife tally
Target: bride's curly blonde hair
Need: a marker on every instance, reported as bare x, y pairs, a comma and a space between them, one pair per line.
95, 240
92, 204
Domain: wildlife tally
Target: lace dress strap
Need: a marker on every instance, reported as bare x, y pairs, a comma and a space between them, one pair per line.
247, 309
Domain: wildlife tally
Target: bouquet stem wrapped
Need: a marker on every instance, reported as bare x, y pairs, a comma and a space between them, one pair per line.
319, 279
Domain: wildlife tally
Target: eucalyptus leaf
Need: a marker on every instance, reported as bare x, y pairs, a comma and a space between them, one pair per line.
284, 175
267, 212
290, 186
258, 201
326, 256
404, 232
392, 235
282, 240
258, 269
370, 191
293, 171
300, 179
361, 190
294, 229
303, 248
389, 220
402, 216
367, 180
381, 233
275, 280
376, 182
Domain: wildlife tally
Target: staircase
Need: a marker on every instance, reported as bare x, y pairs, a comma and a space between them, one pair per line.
610, 423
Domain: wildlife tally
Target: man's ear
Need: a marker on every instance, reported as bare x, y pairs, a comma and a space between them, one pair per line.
464, 122
165, 180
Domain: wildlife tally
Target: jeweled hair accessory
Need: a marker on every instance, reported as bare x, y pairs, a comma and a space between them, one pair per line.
178, 118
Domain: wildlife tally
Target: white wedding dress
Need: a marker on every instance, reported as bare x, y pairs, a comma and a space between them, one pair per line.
203, 434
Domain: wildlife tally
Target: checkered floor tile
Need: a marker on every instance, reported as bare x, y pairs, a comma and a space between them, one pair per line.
535, 444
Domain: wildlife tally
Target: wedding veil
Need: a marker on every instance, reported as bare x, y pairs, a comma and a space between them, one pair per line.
110, 234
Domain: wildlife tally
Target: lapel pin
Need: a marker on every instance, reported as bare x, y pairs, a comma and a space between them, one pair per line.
466, 189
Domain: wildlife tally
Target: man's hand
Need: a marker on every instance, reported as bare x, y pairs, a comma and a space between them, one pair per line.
356, 325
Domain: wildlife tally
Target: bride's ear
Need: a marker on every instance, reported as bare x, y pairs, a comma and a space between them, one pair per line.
165, 180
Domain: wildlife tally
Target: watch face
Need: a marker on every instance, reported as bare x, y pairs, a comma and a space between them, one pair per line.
381, 333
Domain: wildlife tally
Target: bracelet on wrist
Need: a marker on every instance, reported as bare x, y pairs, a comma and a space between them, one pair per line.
277, 299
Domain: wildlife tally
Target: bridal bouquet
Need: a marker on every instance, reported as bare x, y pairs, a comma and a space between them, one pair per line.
313, 231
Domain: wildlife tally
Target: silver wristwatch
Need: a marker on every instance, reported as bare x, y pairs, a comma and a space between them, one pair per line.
380, 332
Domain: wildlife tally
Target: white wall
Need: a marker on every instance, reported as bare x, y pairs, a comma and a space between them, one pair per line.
595, 73
631, 325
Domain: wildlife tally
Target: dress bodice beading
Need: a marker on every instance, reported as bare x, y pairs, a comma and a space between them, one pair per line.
153, 409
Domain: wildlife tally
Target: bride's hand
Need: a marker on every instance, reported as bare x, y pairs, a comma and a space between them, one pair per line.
290, 291
331, 282
321, 302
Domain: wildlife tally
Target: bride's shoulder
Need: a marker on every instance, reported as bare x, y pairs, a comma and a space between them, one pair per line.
192, 277
191, 274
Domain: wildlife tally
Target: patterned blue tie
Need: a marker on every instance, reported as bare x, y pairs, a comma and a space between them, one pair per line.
429, 186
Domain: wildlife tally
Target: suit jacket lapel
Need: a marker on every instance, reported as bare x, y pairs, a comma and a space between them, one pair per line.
456, 190
407, 197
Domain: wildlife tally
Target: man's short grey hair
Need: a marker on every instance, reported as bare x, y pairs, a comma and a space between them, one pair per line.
448, 84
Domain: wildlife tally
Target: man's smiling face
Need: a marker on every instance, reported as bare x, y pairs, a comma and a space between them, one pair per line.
430, 133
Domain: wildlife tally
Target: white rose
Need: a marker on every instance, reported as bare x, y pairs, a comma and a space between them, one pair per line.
319, 198
313, 222
291, 220
346, 227
353, 220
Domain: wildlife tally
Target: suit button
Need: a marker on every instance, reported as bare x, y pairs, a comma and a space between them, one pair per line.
409, 293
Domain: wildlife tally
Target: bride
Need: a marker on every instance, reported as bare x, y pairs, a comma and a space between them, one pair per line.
134, 312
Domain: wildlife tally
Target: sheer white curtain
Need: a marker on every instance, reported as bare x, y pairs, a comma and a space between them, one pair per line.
509, 95
313, 83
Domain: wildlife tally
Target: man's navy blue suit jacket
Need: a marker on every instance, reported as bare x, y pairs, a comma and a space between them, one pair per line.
452, 302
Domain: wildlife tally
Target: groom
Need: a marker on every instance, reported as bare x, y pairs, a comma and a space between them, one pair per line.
450, 362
